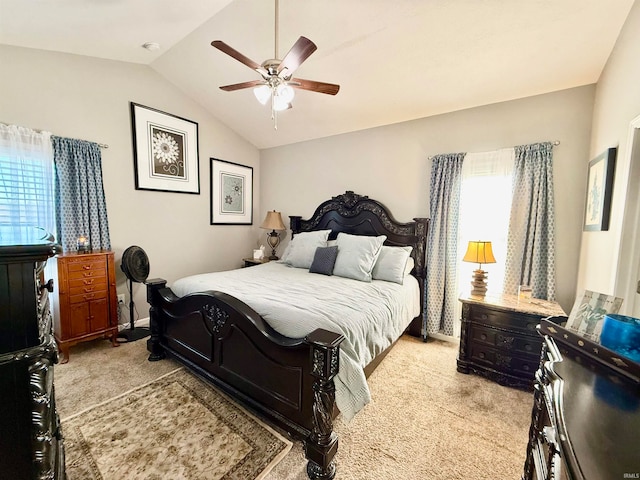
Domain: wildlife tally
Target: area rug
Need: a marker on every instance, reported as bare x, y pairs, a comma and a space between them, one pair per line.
176, 427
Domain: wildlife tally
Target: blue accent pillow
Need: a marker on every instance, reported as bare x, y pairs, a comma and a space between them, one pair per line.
324, 260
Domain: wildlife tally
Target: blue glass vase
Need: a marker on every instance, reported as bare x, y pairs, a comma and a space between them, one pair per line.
622, 335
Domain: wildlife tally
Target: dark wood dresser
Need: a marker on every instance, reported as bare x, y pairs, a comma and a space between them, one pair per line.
84, 304
31, 445
498, 337
585, 423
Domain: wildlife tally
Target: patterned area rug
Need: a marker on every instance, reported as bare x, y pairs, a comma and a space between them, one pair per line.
175, 427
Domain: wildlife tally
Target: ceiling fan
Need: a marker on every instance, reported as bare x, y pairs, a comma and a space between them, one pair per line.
277, 81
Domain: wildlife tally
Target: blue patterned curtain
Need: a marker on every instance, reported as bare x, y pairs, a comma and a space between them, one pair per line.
531, 240
442, 244
81, 207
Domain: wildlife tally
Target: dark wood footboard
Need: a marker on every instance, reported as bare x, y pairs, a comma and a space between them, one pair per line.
289, 380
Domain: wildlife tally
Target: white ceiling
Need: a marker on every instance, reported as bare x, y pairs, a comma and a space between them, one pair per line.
394, 60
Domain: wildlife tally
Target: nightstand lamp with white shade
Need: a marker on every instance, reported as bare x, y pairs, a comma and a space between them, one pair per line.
273, 222
479, 252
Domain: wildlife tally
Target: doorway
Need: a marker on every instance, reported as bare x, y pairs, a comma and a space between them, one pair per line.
628, 272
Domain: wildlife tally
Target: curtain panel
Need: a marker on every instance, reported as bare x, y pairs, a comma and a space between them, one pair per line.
26, 184
531, 239
442, 242
80, 199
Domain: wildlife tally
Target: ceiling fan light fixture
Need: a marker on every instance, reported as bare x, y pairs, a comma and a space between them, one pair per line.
285, 93
279, 104
262, 93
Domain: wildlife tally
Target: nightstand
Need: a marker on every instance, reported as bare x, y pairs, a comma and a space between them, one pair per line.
250, 262
498, 337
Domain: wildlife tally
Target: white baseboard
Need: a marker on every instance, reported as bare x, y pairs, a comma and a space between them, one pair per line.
141, 322
446, 338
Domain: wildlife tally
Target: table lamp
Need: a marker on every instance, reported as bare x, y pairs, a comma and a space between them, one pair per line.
273, 222
479, 252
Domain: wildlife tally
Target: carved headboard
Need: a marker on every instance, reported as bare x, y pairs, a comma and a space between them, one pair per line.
359, 215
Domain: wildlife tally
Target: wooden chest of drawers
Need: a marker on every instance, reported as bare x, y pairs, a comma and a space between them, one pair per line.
498, 338
85, 304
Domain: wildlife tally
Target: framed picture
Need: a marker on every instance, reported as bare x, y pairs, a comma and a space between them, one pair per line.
587, 315
165, 151
231, 193
599, 188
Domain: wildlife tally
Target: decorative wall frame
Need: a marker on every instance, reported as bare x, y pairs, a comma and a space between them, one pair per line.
599, 190
165, 151
231, 193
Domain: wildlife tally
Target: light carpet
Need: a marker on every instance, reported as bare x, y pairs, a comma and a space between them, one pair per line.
426, 420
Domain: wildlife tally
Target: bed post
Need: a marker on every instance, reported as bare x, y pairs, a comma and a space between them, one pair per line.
321, 445
153, 344
420, 257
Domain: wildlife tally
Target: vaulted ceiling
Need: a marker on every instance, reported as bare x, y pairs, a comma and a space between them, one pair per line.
394, 60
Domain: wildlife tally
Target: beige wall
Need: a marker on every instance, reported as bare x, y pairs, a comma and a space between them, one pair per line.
391, 164
617, 103
88, 98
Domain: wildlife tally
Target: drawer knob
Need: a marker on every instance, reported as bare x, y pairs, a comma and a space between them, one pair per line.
481, 355
528, 347
483, 336
484, 316
47, 286
86, 267
89, 282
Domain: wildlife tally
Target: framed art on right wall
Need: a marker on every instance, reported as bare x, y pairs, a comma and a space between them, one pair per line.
599, 189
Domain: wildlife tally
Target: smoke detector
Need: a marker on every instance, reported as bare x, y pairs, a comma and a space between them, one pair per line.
151, 46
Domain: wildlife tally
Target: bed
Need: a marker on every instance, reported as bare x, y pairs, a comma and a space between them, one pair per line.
291, 379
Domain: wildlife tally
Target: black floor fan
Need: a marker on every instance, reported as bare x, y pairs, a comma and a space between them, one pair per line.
135, 265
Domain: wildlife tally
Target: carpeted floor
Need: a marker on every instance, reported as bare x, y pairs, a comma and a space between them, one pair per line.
426, 420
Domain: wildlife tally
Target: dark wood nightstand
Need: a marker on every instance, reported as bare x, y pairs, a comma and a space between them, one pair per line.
498, 337
250, 262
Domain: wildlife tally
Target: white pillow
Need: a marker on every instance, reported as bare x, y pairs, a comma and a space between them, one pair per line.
287, 250
303, 248
410, 264
357, 255
391, 264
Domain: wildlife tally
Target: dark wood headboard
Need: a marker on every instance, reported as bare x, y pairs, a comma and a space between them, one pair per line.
359, 215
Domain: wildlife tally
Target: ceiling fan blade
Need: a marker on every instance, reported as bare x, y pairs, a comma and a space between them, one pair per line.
240, 86
232, 52
300, 51
320, 87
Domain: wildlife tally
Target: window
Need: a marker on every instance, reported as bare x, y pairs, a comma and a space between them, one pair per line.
485, 207
26, 184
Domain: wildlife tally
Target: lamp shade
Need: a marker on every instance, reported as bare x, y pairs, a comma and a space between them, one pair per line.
273, 221
479, 252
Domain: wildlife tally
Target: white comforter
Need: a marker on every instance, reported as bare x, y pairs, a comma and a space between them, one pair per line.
295, 302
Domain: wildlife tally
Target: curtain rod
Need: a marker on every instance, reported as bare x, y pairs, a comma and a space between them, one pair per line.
555, 144
101, 145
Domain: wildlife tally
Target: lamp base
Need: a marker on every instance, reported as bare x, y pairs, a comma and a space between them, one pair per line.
273, 240
479, 283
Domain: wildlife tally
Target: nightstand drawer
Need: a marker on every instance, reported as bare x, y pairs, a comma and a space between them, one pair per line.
507, 341
503, 361
508, 320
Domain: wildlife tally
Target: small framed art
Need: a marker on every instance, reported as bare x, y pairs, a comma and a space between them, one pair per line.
231, 193
599, 189
165, 151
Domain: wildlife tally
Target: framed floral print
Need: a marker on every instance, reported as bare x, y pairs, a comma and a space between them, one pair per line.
599, 189
165, 151
231, 193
